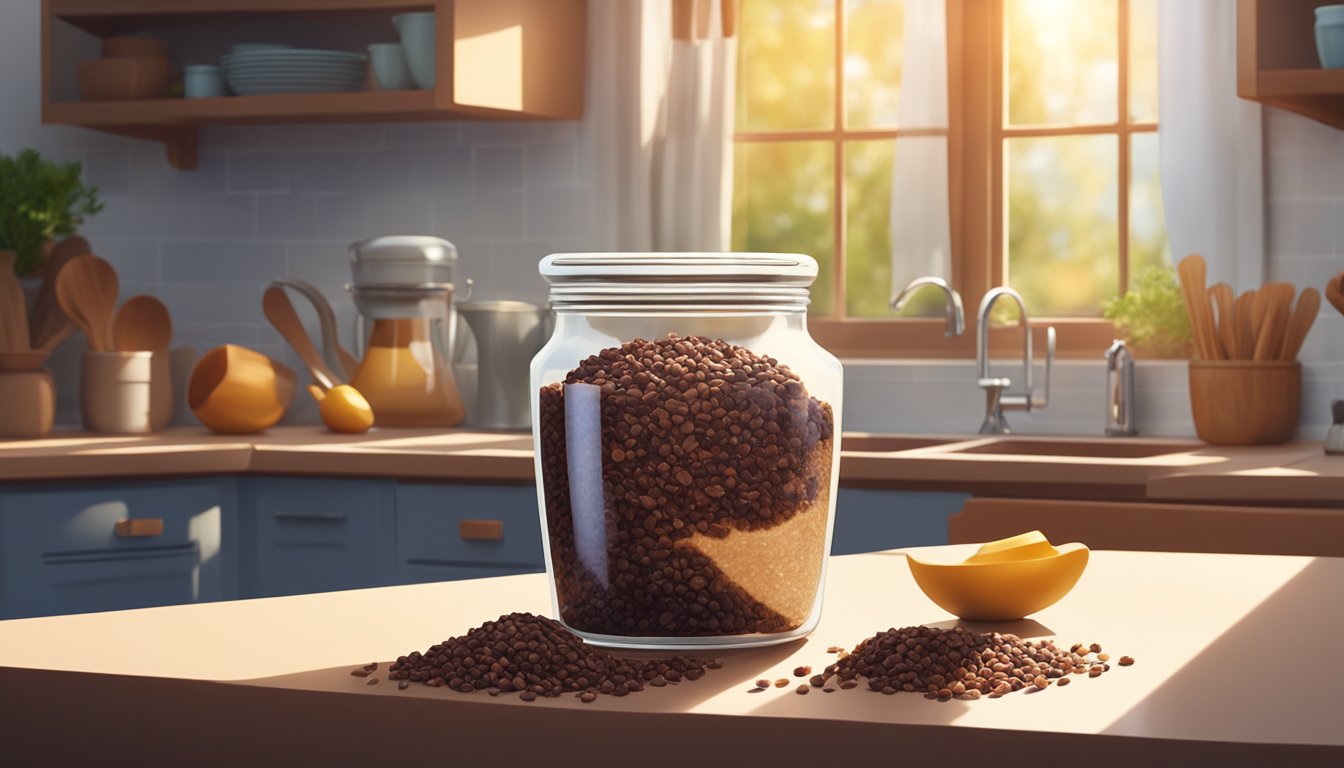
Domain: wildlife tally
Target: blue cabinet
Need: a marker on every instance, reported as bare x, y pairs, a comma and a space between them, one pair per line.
871, 520
466, 531
304, 535
71, 549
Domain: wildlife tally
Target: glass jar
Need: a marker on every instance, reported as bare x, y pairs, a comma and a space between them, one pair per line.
687, 435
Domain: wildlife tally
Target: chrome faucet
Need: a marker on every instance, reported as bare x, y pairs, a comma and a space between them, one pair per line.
996, 398
956, 316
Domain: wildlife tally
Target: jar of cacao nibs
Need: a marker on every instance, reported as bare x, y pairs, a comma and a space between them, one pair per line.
687, 442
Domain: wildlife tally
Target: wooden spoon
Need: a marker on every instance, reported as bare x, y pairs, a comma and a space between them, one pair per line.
142, 323
1192, 271
1334, 291
48, 325
1304, 314
1245, 327
13, 308
87, 290
1277, 300
1221, 294
280, 311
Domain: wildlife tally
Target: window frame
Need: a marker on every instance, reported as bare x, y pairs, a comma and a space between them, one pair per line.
977, 197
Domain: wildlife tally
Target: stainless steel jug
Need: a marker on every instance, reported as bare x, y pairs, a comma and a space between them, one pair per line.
508, 335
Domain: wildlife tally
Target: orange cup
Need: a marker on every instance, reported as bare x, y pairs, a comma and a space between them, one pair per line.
235, 390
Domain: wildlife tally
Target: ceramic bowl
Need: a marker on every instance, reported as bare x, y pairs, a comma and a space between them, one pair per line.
1005, 580
417, 38
1330, 35
235, 390
123, 79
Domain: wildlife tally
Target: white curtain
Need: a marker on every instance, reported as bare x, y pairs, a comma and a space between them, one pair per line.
1210, 143
921, 240
660, 119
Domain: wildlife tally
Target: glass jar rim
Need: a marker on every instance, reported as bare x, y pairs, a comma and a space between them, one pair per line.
592, 280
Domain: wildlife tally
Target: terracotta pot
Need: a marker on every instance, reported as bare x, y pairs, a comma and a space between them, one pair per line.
27, 403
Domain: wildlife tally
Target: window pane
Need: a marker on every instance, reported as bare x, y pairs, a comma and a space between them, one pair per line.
873, 34
786, 65
783, 200
1062, 229
1147, 223
868, 214
1143, 60
1061, 61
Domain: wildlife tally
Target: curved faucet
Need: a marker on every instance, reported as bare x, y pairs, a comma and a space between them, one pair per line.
956, 315
995, 399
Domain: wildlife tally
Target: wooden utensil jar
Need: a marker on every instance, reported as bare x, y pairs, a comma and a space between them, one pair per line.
1245, 402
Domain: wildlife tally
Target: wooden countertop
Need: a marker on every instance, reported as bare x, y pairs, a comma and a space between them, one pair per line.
1013, 465
1232, 654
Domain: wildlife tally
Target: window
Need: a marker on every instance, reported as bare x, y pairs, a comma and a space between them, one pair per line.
1051, 142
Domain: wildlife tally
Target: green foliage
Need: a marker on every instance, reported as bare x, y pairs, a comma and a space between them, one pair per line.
1152, 314
40, 200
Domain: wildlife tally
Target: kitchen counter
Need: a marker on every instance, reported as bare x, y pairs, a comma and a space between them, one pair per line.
1232, 667
1037, 467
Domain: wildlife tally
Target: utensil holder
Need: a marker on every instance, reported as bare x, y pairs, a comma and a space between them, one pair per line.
1245, 402
27, 403
125, 392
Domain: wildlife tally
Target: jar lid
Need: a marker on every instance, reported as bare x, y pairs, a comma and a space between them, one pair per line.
789, 269
678, 281
403, 260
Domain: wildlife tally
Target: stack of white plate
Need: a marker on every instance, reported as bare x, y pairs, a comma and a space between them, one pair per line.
293, 70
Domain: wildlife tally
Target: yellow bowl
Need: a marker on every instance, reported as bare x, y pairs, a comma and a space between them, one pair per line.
1005, 580
235, 390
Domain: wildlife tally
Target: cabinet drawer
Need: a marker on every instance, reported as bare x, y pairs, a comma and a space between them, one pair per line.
310, 535
112, 547
464, 531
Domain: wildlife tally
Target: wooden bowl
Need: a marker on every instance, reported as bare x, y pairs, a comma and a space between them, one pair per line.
123, 79
1245, 402
134, 48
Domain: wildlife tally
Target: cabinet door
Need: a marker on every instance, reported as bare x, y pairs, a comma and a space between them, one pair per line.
314, 535
871, 520
102, 548
447, 532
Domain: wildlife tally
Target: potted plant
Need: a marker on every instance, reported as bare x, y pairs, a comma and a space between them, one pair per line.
1151, 315
40, 200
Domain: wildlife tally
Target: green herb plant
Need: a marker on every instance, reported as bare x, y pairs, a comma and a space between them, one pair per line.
1151, 315
40, 200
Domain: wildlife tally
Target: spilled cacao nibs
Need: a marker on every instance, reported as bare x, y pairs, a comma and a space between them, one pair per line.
535, 656
701, 441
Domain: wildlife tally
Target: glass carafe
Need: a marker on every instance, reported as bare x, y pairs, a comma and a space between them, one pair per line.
405, 372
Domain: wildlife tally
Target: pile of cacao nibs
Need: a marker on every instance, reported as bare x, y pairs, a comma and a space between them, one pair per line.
534, 656
705, 447
956, 663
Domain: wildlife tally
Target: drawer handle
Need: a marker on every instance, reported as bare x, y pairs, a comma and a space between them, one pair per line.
321, 517
140, 528
481, 530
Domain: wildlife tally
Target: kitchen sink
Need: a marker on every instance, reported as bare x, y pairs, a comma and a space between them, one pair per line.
1099, 449
893, 443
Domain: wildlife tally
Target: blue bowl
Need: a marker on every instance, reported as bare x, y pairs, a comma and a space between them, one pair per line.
1330, 35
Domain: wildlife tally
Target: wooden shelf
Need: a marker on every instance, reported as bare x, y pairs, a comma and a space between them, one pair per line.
502, 60
1277, 63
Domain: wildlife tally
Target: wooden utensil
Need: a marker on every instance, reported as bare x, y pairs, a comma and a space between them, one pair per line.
280, 311
13, 308
87, 291
1276, 300
1245, 327
1334, 292
1192, 271
142, 323
48, 325
1221, 295
1304, 314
